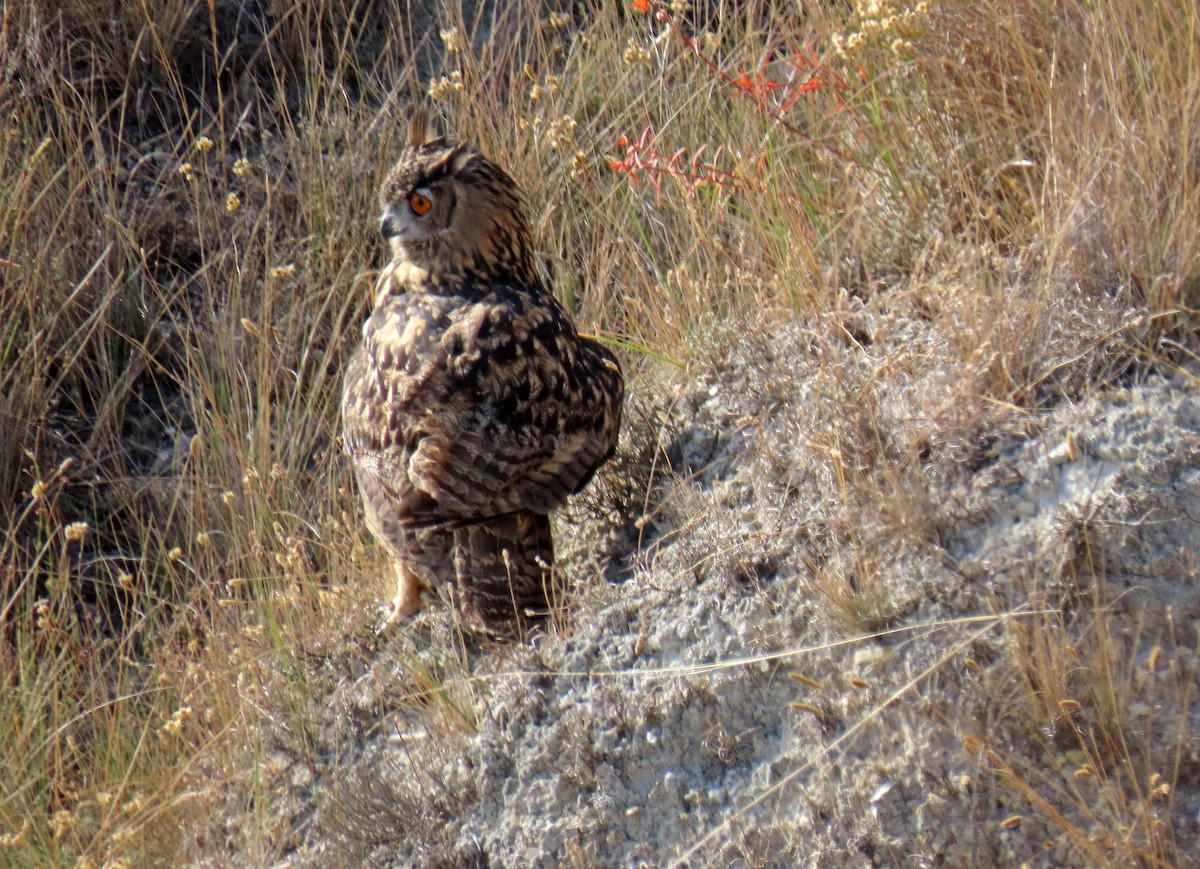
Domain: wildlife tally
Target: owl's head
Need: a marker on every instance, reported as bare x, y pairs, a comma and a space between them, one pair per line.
455, 214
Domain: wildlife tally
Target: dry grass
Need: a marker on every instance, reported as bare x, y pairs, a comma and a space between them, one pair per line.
187, 251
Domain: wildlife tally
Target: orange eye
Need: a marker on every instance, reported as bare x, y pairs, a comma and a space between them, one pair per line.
419, 202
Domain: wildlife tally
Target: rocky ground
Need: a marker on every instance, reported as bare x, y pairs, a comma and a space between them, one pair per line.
788, 670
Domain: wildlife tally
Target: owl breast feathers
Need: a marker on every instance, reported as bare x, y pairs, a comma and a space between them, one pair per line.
473, 407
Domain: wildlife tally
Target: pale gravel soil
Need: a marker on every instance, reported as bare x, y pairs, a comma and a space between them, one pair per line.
612, 742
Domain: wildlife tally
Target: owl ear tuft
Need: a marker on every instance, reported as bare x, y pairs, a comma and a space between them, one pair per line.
419, 132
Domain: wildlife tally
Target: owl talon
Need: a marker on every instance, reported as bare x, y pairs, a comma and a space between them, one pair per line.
403, 608
394, 617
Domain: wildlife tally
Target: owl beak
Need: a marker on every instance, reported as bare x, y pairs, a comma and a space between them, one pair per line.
389, 227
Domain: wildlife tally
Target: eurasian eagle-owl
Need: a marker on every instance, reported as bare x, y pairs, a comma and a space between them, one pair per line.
473, 407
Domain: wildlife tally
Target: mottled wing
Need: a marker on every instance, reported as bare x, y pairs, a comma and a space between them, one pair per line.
540, 410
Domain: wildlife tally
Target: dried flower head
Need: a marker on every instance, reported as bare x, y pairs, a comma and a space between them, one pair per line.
452, 39
63, 822
636, 53
561, 132
9, 840
446, 85
76, 531
174, 724
134, 804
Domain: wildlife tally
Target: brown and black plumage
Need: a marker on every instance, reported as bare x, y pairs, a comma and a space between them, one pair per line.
473, 407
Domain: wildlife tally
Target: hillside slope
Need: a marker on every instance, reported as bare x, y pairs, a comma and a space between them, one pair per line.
1046, 609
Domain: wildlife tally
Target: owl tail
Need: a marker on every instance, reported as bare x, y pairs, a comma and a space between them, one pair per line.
504, 571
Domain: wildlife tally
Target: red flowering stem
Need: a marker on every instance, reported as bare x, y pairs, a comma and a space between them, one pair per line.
759, 87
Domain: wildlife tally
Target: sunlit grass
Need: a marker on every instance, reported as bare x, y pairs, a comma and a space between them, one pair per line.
187, 251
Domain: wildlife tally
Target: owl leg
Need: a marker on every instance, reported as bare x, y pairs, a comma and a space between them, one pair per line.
423, 562
408, 599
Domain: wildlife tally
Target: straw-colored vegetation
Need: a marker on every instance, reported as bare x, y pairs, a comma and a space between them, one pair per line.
187, 249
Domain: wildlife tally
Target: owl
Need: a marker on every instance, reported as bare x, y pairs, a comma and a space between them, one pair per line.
472, 408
